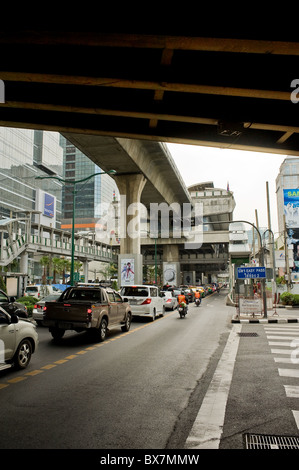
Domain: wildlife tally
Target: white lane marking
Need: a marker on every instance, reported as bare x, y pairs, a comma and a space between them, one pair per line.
208, 426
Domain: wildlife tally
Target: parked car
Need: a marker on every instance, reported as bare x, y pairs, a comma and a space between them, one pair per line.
38, 309
170, 300
10, 305
145, 300
18, 340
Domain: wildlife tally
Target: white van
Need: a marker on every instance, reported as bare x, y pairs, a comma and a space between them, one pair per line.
145, 301
39, 290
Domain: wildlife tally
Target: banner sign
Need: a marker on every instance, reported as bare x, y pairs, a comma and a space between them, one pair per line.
49, 205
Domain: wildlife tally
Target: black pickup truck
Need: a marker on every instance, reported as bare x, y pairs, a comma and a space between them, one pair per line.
80, 308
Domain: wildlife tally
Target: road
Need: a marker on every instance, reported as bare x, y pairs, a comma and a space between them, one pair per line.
170, 384
127, 392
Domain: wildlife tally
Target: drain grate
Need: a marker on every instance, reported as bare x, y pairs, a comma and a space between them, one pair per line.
248, 334
264, 441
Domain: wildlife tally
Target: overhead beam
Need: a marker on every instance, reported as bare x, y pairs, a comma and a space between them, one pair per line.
149, 137
94, 39
287, 130
53, 79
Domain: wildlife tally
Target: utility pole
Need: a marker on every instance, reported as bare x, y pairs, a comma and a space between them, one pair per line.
286, 250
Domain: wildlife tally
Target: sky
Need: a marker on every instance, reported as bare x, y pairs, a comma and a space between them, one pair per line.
245, 172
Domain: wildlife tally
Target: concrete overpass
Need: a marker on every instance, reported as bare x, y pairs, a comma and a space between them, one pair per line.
227, 87
135, 157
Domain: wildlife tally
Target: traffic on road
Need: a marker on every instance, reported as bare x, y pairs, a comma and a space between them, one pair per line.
155, 384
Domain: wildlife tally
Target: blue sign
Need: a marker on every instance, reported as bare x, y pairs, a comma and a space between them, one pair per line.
49, 205
252, 273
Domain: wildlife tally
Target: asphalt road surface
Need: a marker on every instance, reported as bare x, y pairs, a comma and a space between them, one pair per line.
201, 382
128, 392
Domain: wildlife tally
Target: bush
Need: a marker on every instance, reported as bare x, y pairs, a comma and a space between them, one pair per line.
289, 299
29, 302
286, 298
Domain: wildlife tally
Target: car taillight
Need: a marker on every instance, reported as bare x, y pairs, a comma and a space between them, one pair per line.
168, 300
45, 308
89, 312
35, 306
146, 302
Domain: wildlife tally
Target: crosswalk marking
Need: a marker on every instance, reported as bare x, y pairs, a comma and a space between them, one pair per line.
288, 372
292, 391
278, 336
285, 360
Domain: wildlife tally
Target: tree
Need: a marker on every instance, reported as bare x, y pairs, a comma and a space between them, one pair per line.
45, 261
57, 268
109, 271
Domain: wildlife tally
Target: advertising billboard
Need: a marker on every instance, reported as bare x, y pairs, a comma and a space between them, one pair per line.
49, 205
45, 203
291, 212
291, 207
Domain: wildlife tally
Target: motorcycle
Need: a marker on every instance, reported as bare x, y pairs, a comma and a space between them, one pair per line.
182, 309
197, 302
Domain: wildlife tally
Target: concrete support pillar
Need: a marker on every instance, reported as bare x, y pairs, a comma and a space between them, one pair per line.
171, 265
130, 189
130, 263
85, 270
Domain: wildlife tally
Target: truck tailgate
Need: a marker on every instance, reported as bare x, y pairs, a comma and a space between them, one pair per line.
67, 311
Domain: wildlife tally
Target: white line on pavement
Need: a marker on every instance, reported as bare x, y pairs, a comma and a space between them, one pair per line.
207, 428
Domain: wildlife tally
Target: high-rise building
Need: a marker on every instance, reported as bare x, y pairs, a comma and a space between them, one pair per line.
287, 192
25, 154
288, 178
92, 196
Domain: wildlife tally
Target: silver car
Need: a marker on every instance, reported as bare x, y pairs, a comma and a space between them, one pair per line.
18, 340
170, 300
38, 309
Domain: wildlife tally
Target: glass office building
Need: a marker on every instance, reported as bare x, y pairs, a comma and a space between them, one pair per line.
25, 154
92, 196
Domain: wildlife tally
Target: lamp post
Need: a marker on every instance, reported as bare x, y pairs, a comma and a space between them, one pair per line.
74, 183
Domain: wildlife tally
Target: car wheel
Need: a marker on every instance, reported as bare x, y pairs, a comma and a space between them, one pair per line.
57, 333
127, 325
154, 315
23, 354
103, 330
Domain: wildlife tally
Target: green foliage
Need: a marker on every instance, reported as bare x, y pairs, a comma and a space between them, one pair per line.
29, 302
287, 298
2, 284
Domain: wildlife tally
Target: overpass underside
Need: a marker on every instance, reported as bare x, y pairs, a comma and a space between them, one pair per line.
230, 90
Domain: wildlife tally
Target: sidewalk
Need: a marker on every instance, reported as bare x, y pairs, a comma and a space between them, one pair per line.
282, 314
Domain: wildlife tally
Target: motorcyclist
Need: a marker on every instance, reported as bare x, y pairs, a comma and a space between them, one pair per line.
197, 297
197, 294
183, 300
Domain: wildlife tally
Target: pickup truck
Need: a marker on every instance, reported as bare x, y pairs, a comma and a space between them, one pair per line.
94, 309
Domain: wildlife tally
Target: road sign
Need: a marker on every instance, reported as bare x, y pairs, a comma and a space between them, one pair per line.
253, 272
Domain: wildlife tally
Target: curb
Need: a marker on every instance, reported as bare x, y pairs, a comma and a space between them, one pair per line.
266, 320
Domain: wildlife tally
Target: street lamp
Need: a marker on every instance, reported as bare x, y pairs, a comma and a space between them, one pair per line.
74, 183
